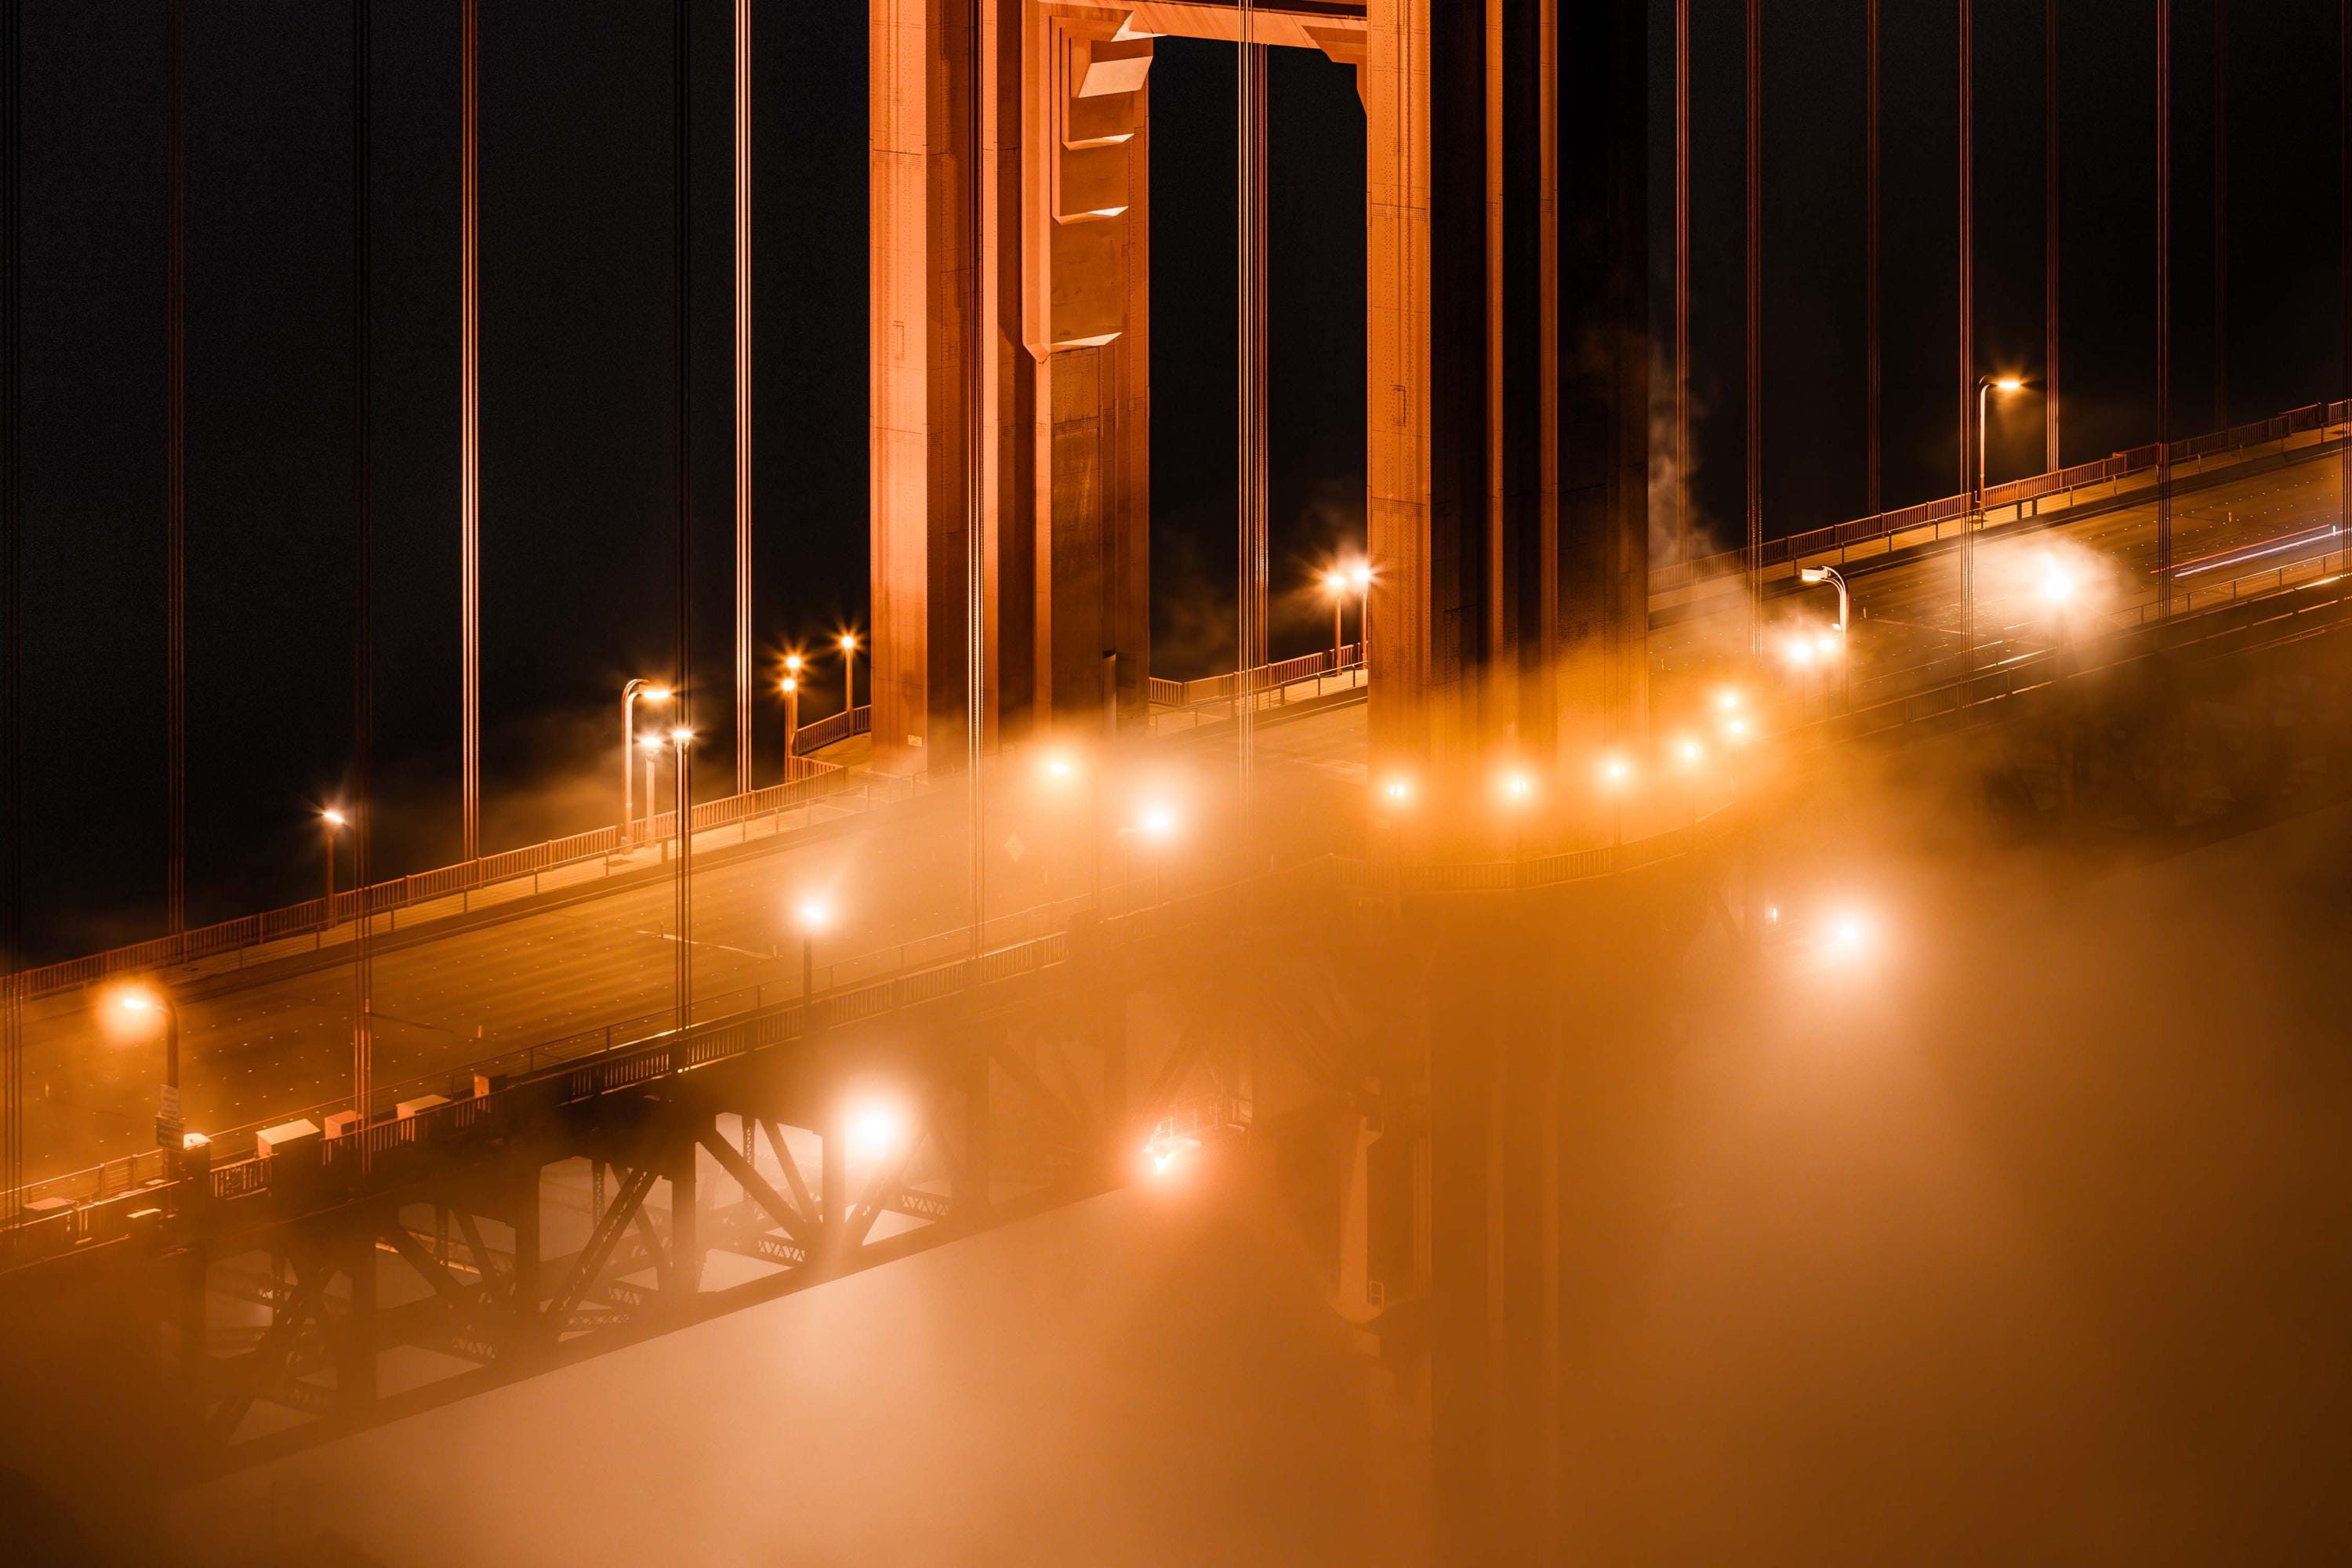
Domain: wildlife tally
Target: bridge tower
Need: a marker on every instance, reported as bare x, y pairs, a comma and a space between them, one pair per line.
1507, 367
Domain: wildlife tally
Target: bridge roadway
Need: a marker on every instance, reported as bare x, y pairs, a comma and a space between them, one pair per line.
274, 1042
261, 1044
2229, 526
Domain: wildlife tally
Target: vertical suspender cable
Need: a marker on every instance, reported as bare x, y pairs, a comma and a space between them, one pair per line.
2163, 307
470, 432
2049, 457
743, 397
1755, 326
2344, 263
1682, 279
12, 605
175, 430
2220, 215
1250, 458
1877, 497
1971, 450
975, 608
682, 461
362, 648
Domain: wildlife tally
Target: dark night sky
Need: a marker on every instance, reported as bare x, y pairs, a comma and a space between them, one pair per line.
576, 189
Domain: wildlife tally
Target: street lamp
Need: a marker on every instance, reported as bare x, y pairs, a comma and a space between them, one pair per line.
877, 1131
848, 673
1065, 766
1518, 792
168, 1135
630, 694
2058, 592
1155, 823
330, 820
814, 916
791, 688
651, 745
1617, 777
1986, 386
1831, 576
1334, 583
1361, 574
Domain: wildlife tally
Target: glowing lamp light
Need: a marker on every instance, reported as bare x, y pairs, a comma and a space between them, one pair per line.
875, 1133
1689, 751
790, 686
1798, 651
1517, 786
792, 663
1158, 822
1735, 729
2007, 384
192, 1140
1398, 791
1826, 642
814, 915
649, 744
1849, 931
1361, 577
1726, 700
655, 694
2057, 585
1335, 582
681, 738
1166, 1147
1617, 771
137, 1002
1059, 767
849, 642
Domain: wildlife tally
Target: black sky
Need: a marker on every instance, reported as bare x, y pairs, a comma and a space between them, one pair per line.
576, 266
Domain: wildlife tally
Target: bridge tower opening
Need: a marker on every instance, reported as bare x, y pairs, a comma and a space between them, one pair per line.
1508, 364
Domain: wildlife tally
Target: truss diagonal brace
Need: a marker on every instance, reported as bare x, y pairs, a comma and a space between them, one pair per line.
779, 1207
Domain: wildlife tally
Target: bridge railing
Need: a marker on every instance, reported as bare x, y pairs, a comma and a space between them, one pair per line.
1212, 689
819, 733
2315, 418
810, 780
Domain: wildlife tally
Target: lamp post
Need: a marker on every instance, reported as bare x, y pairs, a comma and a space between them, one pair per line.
651, 746
329, 821
791, 690
813, 917
1361, 574
848, 677
1155, 824
1518, 792
2058, 593
1831, 575
1396, 799
629, 695
1986, 386
168, 1133
1334, 583
1062, 767
1690, 753
1617, 776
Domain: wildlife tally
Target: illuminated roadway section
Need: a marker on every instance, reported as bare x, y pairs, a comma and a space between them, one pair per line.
275, 1041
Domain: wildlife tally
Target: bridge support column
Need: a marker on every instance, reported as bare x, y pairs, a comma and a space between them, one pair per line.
1508, 380
1030, 251
1546, 1090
